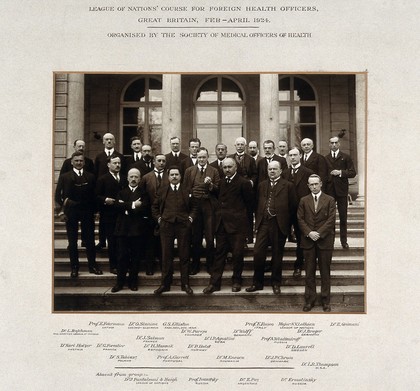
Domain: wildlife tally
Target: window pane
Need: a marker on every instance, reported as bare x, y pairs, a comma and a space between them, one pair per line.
155, 90
230, 132
307, 131
130, 115
307, 114
208, 91
230, 90
206, 115
284, 114
284, 89
135, 92
303, 91
231, 115
155, 128
207, 135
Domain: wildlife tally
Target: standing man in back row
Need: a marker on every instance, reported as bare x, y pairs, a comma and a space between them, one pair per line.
312, 160
175, 157
340, 168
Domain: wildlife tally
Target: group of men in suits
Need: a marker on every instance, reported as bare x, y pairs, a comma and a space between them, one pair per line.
184, 197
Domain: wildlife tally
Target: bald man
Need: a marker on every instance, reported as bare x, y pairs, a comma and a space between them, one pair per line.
312, 160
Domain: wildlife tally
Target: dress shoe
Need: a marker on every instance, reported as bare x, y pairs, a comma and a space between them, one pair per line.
254, 288
326, 307
95, 270
74, 273
82, 244
345, 246
133, 287
292, 238
150, 269
161, 289
297, 273
187, 289
113, 270
276, 289
307, 307
236, 287
210, 289
116, 288
99, 247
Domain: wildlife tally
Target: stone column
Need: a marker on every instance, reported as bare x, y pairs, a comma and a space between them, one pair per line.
171, 109
361, 135
269, 109
75, 109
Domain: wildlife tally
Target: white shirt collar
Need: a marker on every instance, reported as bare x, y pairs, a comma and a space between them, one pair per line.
318, 195
109, 151
132, 188
308, 154
336, 152
77, 171
296, 166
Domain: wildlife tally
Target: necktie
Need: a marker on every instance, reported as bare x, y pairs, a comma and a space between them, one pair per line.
109, 153
220, 163
80, 172
273, 183
269, 160
133, 190
228, 180
175, 188
117, 177
306, 157
316, 202
334, 155
159, 178
202, 171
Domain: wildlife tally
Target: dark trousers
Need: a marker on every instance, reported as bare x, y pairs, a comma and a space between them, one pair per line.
87, 222
226, 242
342, 205
324, 263
268, 233
130, 250
299, 252
180, 230
102, 232
203, 224
108, 229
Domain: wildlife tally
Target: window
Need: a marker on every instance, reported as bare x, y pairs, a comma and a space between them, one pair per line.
219, 111
141, 113
298, 110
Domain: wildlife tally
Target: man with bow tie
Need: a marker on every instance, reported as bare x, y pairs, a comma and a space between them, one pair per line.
107, 188
277, 203
194, 146
340, 168
316, 218
76, 194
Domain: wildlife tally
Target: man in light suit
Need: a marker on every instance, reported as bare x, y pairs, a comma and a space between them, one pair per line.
316, 218
202, 182
132, 230
151, 183
276, 206
174, 213
340, 168
235, 198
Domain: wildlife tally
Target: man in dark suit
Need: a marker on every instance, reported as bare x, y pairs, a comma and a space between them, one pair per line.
101, 168
79, 146
276, 206
76, 194
174, 213
235, 198
221, 152
132, 230
283, 149
194, 146
254, 151
270, 156
312, 160
151, 183
107, 188
246, 168
174, 158
144, 163
316, 218
340, 168
202, 183
298, 175
135, 144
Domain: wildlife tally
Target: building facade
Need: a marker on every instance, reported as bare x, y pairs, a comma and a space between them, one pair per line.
213, 107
